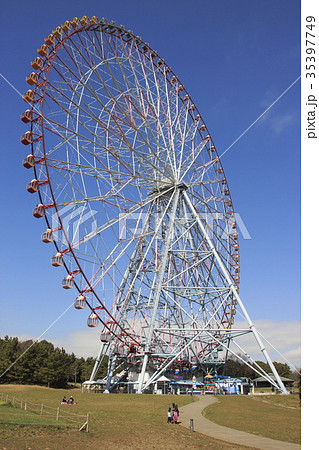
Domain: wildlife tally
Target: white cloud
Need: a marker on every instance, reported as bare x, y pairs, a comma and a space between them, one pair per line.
281, 340
83, 343
281, 123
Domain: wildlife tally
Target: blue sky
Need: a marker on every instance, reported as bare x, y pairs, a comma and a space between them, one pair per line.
235, 59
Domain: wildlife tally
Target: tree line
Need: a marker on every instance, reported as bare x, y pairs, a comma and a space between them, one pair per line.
42, 364
235, 367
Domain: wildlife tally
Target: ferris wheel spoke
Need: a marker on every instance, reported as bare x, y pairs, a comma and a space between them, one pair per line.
114, 80
148, 104
162, 108
88, 170
106, 265
142, 259
87, 111
115, 221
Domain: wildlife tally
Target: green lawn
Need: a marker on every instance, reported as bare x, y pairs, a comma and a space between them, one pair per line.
122, 421
17, 416
273, 416
117, 421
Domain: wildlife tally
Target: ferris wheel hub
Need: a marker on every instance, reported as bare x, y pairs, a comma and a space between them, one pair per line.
166, 186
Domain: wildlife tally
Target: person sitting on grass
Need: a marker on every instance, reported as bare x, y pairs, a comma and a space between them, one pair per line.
64, 401
71, 401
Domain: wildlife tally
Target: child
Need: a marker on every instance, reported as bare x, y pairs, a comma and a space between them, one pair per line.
175, 416
169, 415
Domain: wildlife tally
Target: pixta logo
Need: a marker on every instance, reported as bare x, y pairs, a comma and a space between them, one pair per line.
133, 225
75, 223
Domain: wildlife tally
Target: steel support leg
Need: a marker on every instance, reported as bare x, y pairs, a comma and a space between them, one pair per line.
235, 293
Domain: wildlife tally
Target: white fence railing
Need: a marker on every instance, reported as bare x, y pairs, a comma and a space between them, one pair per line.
60, 413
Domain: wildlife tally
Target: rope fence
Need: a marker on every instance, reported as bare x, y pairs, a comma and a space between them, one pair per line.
59, 413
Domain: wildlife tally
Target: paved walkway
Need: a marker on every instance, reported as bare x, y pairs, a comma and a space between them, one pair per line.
201, 425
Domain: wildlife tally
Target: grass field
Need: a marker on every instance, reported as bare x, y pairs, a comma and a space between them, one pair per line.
117, 421
272, 416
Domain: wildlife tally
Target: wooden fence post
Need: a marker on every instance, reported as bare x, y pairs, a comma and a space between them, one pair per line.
57, 413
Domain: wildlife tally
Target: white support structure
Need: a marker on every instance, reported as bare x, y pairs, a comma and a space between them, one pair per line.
158, 285
202, 328
235, 293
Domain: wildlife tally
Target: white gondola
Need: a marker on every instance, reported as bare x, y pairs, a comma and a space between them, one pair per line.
33, 186
92, 320
57, 260
26, 117
106, 336
28, 162
26, 138
67, 282
47, 236
39, 211
79, 302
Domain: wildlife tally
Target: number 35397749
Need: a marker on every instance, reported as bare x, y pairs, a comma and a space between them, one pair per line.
310, 47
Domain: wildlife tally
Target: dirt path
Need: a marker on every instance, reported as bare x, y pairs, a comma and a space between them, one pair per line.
205, 426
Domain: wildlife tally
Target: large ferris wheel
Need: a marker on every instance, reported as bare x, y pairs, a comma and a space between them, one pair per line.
136, 202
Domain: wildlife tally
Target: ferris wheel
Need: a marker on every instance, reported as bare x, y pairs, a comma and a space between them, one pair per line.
135, 200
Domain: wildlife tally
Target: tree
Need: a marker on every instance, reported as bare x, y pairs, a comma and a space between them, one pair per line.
235, 367
9, 351
35, 363
282, 368
85, 368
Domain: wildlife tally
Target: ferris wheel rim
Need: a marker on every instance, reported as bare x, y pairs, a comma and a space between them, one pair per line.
55, 204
